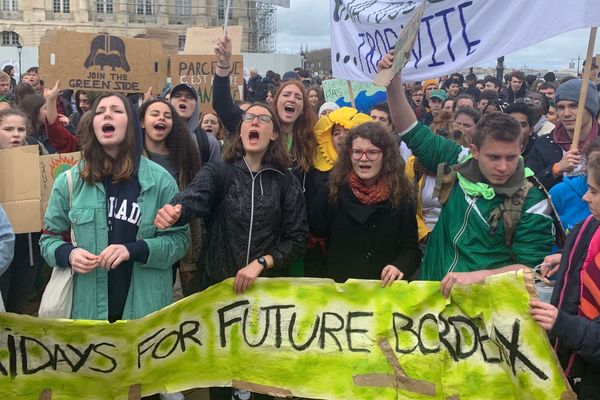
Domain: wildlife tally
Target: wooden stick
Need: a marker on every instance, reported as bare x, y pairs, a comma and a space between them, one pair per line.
135, 392
351, 92
46, 394
584, 87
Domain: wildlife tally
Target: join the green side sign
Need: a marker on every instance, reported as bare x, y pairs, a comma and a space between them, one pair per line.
302, 337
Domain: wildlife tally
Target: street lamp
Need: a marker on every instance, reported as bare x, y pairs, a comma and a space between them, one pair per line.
19, 49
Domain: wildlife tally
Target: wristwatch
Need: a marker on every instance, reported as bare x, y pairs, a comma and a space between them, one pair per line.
263, 261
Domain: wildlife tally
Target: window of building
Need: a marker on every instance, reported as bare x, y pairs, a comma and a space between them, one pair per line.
104, 6
183, 7
181, 42
62, 6
10, 38
221, 10
144, 7
10, 5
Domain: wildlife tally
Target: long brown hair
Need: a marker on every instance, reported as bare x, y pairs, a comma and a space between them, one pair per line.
183, 151
276, 152
304, 145
392, 169
98, 164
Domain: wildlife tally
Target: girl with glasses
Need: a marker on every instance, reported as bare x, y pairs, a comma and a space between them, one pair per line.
253, 209
367, 213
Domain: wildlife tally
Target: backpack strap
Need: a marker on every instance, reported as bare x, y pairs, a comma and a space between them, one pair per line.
444, 182
203, 145
511, 209
510, 213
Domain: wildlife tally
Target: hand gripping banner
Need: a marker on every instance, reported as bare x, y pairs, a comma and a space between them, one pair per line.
302, 337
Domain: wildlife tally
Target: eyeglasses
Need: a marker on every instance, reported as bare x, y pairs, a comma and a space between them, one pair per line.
262, 118
372, 155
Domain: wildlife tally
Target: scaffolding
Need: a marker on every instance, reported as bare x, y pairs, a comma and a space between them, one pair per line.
263, 26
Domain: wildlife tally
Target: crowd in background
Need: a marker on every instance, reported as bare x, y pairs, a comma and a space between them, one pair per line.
447, 181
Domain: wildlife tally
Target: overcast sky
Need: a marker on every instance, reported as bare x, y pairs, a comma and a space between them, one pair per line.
306, 22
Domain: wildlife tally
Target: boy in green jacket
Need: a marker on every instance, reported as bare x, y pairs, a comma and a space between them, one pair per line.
469, 241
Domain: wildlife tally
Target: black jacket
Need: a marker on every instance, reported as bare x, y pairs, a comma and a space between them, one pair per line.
511, 96
542, 157
248, 219
363, 239
577, 335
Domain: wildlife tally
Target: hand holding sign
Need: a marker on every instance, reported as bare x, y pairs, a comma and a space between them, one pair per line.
403, 46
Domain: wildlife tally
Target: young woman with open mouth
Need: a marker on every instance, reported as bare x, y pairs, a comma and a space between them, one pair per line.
212, 125
256, 221
168, 143
293, 112
367, 213
122, 264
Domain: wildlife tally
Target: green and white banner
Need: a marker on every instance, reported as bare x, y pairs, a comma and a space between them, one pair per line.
302, 337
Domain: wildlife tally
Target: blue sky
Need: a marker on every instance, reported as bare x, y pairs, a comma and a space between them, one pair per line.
306, 22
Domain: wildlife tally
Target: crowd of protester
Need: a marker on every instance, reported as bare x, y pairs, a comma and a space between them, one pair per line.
452, 180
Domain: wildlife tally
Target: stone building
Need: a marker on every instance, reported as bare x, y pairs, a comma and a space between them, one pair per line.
24, 22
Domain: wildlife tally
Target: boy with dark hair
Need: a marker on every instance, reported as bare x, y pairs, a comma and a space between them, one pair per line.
525, 116
480, 232
516, 88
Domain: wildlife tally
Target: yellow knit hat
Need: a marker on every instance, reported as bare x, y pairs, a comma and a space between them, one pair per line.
348, 118
429, 82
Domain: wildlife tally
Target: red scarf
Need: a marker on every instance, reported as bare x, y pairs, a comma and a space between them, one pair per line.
562, 138
368, 194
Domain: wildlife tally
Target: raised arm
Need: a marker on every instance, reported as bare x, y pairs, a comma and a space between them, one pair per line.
223, 104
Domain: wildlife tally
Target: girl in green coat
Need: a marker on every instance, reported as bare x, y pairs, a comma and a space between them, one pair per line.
122, 264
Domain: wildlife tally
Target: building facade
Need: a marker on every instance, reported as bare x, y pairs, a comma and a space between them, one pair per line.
24, 22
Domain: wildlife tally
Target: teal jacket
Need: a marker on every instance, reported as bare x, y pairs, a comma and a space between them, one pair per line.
151, 283
461, 241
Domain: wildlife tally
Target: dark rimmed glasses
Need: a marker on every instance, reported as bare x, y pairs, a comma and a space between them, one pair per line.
262, 118
372, 154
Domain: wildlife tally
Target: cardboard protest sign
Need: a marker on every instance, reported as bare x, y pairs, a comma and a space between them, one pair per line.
168, 39
366, 95
102, 62
302, 337
402, 48
51, 166
20, 187
453, 34
199, 70
26, 180
202, 40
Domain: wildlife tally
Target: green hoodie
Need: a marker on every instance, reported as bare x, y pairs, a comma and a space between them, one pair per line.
461, 240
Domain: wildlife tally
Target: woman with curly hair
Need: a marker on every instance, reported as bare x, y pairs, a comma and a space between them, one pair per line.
367, 213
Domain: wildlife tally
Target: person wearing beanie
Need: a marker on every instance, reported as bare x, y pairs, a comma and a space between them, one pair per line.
327, 107
551, 157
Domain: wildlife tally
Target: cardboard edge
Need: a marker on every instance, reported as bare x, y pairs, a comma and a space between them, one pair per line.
257, 388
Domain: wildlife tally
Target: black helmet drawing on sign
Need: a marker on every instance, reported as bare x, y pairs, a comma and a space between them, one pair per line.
107, 50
